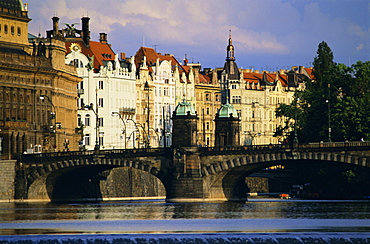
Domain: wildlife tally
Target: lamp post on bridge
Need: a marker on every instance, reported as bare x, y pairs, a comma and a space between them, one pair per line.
295, 141
91, 107
147, 89
137, 125
53, 118
124, 124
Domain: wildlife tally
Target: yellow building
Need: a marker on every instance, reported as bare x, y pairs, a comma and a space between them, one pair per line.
208, 95
256, 95
37, 90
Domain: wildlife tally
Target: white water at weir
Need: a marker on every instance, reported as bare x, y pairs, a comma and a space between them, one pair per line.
211, 238
189, 226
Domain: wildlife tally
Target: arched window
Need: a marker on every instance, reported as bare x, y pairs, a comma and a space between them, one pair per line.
19, 31
12, 30
6, 29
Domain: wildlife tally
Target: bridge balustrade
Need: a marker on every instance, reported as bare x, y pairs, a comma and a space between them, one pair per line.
319, 146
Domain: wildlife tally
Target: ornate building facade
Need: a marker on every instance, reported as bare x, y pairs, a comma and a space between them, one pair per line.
162, 82
37, 90
208, 101
107, 92
256, 95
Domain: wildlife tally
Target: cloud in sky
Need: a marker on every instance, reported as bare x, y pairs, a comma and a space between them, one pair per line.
268, 33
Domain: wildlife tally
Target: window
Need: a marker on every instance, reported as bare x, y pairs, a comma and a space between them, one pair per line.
6, 29
208, 97
236, 99
100, 121
101, 140
100, 103
12, 30
87, 139
217, 98
207, 126
207, 111
166, 91
19, 31
79, 120
87, 120
233, 86
101, 87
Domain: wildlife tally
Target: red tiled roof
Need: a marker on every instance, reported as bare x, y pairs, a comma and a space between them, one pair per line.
152, 56
205, 79
100, 51
255, 78
310, 73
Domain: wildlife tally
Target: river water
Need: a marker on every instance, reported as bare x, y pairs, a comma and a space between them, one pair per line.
256, 216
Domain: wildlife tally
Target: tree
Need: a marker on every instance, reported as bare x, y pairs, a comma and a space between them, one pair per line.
333, 106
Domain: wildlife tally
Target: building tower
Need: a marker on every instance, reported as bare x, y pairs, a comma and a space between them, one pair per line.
185, 121
227, 126
230, 73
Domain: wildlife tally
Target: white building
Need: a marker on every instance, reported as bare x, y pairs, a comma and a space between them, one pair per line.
107, 94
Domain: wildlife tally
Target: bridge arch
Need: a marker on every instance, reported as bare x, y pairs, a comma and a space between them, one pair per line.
226, 179
47, 178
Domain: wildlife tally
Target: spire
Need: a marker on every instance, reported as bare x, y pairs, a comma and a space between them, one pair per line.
230, 48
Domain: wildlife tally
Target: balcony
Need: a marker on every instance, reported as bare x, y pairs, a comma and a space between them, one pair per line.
127, 110
13, 124
80, 91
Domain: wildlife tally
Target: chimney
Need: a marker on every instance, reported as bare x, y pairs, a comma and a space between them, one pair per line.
123, 56
103, 38
85, 30
55, 25
186, 61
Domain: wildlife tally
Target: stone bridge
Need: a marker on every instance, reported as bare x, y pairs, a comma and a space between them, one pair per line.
187, 174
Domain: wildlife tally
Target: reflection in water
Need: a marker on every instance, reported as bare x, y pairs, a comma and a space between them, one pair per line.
161, 210
159, 216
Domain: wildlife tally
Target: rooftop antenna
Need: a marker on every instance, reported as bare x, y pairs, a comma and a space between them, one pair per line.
155, 47
39, 31
143, 40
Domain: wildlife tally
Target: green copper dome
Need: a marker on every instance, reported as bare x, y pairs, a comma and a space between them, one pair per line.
183, 108
226, 110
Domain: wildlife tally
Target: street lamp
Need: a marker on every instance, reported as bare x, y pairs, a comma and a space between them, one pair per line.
329, 125
295, 141
52, 117
124, 124
90, 107
137, 125
147, 89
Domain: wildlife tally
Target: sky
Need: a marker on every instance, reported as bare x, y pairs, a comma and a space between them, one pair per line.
267, 34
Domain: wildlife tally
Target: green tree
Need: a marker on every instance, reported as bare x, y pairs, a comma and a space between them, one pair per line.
350, 112
333, 106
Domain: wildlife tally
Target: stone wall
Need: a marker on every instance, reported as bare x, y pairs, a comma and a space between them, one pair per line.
257, 184
7, 179
127, 182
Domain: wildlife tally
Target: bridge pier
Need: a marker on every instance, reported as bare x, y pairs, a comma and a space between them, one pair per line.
189, 185
8, 178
